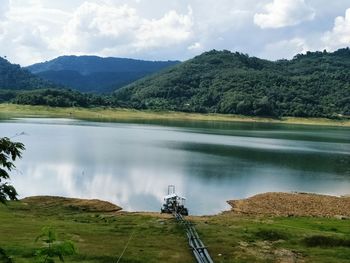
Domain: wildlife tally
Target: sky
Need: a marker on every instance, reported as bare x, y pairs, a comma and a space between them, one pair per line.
33, 31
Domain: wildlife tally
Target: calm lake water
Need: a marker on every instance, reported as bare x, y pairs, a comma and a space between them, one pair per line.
132, 164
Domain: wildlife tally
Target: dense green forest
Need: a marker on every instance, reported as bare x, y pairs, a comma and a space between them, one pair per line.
96, 74
13, 77
58, 98
316, 84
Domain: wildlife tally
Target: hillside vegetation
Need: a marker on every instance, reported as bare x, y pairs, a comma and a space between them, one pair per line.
96, 74
316, 84
56, 98
13, 77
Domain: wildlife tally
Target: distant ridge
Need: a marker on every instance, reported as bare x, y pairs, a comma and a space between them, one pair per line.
315, 84
96, 74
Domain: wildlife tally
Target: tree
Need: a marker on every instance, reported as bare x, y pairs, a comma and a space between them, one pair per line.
9, 152
52, 247
264, 107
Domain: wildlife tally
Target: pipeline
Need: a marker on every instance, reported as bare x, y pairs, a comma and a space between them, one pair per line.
199, 250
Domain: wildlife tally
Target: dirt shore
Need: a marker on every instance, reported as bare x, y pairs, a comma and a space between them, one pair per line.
271, 204
87, 205
293, 204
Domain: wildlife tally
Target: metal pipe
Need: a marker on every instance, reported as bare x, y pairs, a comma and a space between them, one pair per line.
199, 250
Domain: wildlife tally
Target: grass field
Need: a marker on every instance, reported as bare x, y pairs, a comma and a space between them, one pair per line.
109, 114
274, 239
101, 237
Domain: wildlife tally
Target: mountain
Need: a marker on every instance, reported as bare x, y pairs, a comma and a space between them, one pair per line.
96, 74
315, 84
13, 77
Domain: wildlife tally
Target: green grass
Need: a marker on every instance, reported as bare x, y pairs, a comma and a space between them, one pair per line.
101, 237
326, 241
118, 114
270, 235
271, 239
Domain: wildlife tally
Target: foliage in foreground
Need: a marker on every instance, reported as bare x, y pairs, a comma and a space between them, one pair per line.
53, 248
4, 258
9, 152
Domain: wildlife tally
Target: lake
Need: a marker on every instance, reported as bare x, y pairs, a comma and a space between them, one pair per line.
209, 162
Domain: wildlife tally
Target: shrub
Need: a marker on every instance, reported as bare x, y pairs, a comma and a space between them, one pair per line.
4, 257
326, 241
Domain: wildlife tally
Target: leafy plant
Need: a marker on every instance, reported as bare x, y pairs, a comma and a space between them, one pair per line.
9, 152
53, 248
4, 257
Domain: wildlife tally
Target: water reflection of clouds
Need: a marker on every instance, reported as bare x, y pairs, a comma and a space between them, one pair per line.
134, 189
131, 165
138, 188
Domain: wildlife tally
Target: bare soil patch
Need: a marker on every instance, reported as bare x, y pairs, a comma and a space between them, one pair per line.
293, 204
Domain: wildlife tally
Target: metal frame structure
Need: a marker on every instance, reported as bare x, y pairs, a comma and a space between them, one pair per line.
174, 203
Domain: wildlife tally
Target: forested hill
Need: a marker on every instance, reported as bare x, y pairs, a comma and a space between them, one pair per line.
13, 77
96, 74
315, 84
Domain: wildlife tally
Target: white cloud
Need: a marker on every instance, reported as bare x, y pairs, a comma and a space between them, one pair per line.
36, 30
281, 13
169, 30
4, 7
96, 28
286, 49
195, 46
339, 36
27, 30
